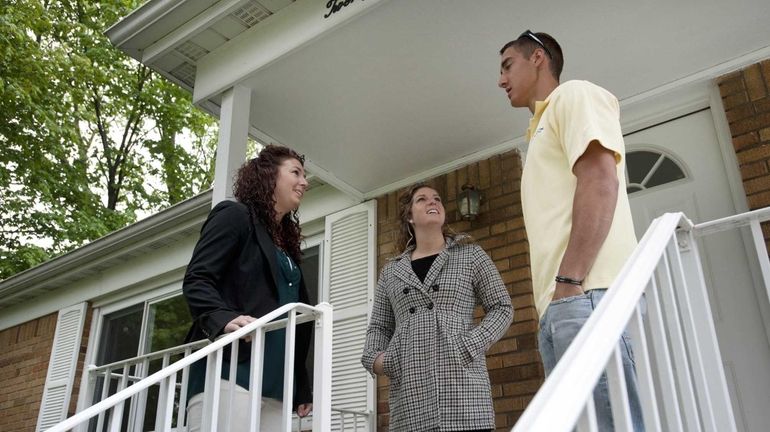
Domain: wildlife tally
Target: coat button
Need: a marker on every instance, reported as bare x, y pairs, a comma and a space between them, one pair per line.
406, 290
430, 305
435, 287
411, 310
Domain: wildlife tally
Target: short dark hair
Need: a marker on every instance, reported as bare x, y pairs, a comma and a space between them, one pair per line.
526, 46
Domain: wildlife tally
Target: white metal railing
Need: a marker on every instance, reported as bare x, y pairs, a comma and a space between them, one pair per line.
681, 380
110, 409
352, 420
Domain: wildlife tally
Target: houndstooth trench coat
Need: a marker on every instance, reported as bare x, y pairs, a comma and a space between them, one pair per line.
434, 355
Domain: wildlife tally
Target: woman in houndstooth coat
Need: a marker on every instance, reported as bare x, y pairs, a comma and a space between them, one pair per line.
421, 332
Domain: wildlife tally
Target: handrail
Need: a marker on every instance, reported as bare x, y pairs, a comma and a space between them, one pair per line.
157, 377
149, 356
735, 221
591, 353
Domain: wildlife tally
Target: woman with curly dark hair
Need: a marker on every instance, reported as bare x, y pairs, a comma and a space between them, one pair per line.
245, 265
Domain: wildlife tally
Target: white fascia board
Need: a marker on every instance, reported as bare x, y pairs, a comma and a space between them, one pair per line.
189, 29
289, 29
141, 18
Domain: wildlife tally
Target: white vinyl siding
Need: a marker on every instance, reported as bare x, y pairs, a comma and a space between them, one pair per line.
349, 261
62, 366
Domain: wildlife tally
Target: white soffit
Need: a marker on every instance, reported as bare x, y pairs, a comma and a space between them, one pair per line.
409, 86
412, 85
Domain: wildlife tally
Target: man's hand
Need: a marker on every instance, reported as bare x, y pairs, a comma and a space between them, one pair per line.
379, 367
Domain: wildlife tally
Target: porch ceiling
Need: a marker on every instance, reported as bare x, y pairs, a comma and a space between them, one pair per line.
410, 86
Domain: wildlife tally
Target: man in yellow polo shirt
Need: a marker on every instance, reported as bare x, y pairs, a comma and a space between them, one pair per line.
574, 199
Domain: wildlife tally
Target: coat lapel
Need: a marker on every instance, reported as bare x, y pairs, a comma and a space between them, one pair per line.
436, 267
268, 249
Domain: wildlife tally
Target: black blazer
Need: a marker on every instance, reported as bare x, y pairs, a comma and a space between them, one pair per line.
233, 272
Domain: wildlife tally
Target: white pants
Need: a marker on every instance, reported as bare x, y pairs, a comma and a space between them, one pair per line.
269, 419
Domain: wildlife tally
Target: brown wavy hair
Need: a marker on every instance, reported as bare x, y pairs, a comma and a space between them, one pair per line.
405, 230
255, 185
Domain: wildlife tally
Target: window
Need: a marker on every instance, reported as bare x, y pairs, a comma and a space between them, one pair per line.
646, 169
141, 328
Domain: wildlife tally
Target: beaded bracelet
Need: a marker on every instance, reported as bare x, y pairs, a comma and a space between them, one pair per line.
564, 279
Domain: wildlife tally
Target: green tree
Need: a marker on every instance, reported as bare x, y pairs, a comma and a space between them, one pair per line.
89, 138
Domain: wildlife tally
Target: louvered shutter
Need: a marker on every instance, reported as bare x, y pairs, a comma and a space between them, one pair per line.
349, 269
61, 367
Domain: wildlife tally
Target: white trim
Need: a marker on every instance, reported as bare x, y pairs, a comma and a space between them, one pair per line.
519, 143
140, 19
188, 30
293, 27
740, 200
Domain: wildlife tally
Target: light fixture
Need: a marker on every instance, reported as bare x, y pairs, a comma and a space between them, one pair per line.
468, 201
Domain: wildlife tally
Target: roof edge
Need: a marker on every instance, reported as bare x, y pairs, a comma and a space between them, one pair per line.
139, 19
83, 257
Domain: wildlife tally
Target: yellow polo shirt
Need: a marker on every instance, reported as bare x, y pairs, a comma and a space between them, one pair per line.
573, 115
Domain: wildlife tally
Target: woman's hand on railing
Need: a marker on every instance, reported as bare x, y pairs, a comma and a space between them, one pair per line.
237, 323
379, 366
304, 409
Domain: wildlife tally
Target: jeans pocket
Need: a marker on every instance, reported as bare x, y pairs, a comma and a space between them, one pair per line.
625, 340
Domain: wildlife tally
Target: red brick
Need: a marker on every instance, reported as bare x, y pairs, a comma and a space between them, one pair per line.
744, 141
755, 85
754, 154
759, 184
734, 100
732, 85
740, 112
749, 171
759, 200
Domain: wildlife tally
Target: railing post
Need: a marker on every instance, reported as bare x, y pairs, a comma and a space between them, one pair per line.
288, 371
322, 370
661, 360
719, 410
255, 383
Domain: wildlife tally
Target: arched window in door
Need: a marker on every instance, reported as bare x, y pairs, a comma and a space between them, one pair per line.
646, 169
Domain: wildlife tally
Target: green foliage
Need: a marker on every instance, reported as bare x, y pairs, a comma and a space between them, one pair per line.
89, 138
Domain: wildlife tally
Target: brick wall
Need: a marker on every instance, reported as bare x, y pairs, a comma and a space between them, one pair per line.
746, 98
26, 350
514, 364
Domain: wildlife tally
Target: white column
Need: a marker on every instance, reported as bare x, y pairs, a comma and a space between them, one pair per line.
233, 133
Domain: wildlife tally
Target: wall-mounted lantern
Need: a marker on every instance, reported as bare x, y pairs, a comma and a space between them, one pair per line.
468, 201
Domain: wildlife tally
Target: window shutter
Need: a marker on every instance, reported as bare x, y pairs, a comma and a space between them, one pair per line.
349, 272
62, 366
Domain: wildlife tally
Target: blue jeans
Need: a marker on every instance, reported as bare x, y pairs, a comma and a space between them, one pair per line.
558, 327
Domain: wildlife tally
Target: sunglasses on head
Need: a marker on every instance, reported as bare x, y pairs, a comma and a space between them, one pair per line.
529, 35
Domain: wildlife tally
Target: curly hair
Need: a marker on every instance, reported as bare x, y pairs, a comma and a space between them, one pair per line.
255, 186
405, 230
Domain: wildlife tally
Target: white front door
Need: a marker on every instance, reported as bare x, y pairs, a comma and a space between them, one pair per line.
678, 166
